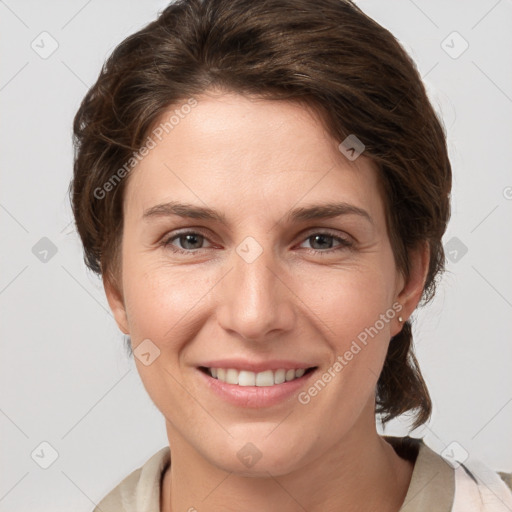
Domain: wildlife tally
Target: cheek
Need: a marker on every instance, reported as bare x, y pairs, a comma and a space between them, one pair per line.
161, 300
353, 309
163, 305
348, 301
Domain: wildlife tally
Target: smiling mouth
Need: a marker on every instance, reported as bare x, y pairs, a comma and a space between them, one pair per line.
265, 378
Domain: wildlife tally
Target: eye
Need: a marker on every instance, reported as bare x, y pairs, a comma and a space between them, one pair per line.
190, 241
324, 242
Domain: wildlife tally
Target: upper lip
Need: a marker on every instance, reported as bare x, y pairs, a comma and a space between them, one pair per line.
256, 366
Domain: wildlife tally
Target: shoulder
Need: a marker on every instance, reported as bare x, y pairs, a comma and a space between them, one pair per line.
446, 484
432, 484
478, 487
140, 490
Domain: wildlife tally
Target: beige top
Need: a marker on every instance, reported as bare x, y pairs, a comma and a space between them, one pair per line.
432, 486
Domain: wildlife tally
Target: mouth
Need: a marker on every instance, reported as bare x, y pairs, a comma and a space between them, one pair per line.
265, 378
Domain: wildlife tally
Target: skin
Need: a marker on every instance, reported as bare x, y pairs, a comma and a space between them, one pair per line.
254, 160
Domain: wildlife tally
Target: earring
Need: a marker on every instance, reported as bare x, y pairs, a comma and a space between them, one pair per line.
400, 319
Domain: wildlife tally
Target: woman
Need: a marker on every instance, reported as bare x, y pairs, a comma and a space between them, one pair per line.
263, 187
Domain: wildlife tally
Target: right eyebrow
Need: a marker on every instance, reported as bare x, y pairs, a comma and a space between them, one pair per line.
183, 210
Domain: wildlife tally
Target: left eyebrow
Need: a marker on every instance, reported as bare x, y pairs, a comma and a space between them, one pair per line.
326, 211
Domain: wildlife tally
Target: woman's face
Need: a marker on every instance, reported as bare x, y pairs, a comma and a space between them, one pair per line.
259, 281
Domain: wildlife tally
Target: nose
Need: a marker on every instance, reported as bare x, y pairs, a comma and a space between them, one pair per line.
255, 302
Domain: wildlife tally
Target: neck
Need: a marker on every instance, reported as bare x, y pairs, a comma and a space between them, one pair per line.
362, 472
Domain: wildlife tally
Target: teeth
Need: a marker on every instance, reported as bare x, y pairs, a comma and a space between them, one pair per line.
231, 376
246, 378
265, 378
279, 376
290, 375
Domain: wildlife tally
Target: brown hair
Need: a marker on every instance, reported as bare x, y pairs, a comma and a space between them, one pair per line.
326, 54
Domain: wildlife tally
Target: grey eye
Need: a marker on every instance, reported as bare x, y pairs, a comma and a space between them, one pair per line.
322, 241
191, 241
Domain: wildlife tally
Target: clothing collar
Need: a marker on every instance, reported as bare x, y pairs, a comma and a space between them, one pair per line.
432, 485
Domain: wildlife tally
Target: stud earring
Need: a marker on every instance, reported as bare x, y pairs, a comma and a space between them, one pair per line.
400, 319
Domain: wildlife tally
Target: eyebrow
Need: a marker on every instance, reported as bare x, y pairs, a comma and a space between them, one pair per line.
327, 211
314, 212
183, 210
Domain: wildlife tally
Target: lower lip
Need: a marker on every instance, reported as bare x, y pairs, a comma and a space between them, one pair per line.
255, 396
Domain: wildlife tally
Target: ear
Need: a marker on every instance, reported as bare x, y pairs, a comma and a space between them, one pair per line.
116, 302
409, 291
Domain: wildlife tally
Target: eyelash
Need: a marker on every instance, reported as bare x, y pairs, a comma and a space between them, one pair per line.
343, 243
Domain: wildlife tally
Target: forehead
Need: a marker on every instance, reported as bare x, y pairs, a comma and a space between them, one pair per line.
253, 153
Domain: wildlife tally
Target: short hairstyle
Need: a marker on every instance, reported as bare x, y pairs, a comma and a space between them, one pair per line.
324, 54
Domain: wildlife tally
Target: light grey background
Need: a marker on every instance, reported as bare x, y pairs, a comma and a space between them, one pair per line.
66, 379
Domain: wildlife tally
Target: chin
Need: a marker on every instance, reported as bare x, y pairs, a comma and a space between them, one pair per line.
261, 469
262, 457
